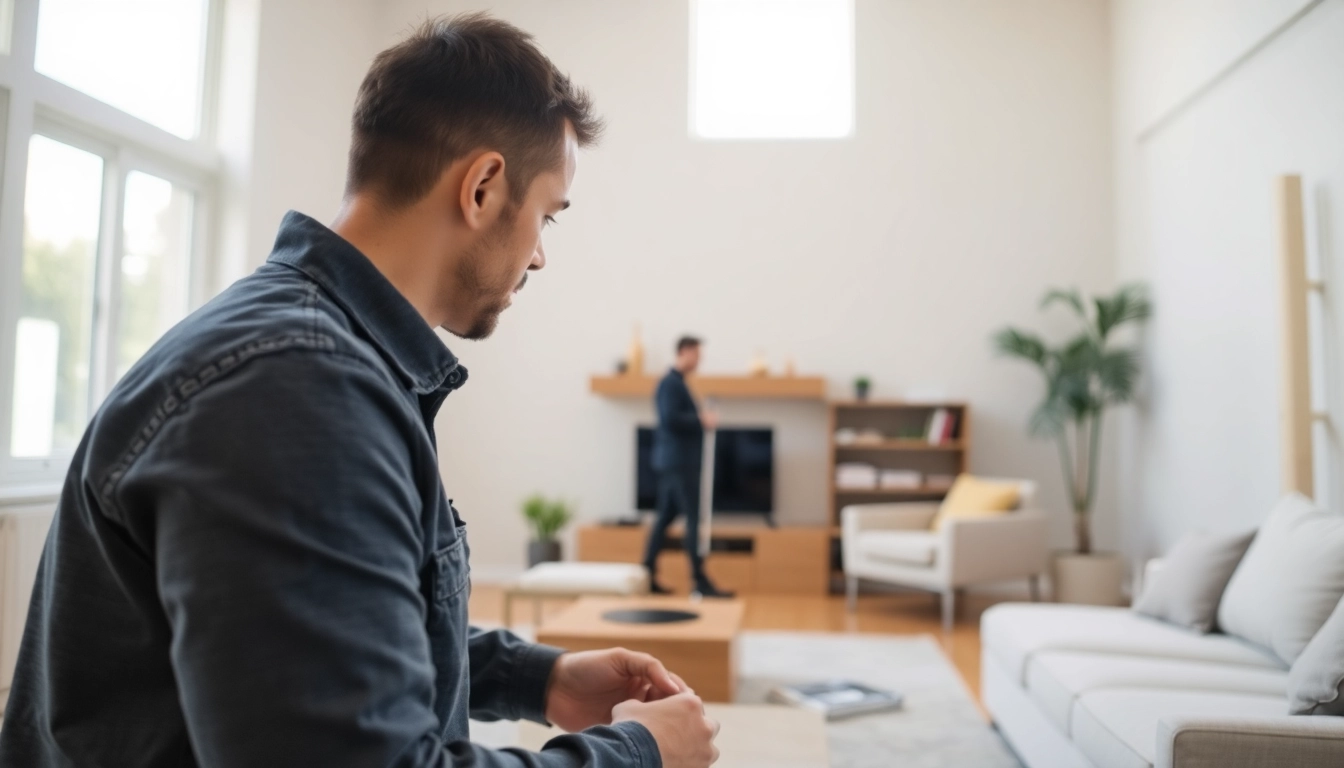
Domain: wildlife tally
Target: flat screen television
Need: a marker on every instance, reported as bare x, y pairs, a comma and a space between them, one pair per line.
744, 471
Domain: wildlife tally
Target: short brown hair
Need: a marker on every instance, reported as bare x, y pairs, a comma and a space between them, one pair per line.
455, 85
685, 342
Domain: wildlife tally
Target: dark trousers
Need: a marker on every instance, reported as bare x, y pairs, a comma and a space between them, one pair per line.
678, 494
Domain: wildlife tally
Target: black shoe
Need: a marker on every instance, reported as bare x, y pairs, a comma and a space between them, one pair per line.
658, 589
706, 589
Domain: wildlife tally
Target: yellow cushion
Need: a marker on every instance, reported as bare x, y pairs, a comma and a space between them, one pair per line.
971, 497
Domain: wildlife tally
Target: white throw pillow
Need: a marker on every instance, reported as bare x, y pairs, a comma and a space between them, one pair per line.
1188, 588
1290, 580
1316, 680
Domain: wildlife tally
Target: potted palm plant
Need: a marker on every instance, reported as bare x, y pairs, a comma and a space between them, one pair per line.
1083, 378
545, 518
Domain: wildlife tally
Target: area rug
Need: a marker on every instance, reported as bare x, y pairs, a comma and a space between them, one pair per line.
939, 726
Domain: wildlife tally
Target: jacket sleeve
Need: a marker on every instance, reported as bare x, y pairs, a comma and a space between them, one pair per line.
509, 677
287, 548
676, 408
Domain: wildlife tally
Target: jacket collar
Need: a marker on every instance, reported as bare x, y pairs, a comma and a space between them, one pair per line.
401, 335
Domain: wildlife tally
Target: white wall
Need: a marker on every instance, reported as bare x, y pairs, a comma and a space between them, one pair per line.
1195, 218
978, 176
311, 56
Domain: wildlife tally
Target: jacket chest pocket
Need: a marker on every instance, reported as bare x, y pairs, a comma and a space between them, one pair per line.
450, 582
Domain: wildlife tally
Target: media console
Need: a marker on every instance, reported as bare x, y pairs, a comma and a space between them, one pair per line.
748, 559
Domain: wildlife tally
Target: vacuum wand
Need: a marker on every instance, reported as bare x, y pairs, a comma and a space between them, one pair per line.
707, 486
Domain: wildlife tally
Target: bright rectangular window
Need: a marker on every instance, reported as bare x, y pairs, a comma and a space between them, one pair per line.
112, 246
156, 237
53, 351
772, 69
145, 57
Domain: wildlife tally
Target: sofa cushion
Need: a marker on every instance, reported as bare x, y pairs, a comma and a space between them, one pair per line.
1194, 574
1014, 632
1117, 728
1289, 581
1316, 681
903, 547
572, 577
1056, 679
970, 498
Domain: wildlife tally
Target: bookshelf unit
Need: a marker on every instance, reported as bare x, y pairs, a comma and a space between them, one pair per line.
898, 422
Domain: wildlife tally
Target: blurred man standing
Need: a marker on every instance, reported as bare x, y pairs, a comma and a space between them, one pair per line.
678, 452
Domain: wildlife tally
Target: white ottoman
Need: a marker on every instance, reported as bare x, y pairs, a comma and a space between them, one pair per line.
571, 580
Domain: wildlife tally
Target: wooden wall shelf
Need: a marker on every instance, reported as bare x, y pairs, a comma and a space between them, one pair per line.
899, 493
763, 387
891, 419
901, 445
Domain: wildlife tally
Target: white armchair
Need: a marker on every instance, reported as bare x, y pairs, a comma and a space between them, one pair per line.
893, 544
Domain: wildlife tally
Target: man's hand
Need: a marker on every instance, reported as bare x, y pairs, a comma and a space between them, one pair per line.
709, 420
685, 735
586, 686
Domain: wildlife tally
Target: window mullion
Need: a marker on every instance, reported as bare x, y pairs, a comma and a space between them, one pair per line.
18, 129
23, 36
107, 300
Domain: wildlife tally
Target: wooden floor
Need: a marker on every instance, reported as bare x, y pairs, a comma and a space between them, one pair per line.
899, 614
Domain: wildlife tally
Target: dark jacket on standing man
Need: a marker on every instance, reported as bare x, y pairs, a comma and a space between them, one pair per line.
680, 438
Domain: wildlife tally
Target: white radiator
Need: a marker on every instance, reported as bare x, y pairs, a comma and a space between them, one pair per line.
23, 531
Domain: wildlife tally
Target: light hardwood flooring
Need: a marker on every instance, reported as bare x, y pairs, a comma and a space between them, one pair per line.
898, 614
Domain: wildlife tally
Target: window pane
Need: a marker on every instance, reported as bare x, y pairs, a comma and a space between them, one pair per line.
60, 240
154, 264
6, 25
773, 68
142, 56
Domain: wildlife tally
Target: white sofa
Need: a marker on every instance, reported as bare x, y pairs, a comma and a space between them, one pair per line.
892, 544
1092, 687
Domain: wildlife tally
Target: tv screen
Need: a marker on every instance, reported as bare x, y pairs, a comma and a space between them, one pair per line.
744, 470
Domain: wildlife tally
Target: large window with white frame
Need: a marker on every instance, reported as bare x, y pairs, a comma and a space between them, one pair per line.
106, 183
772, 69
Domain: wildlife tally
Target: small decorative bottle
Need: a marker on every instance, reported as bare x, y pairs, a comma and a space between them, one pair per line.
635, 361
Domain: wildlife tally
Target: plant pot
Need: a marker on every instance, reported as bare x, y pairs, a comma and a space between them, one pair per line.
861, 391
543, 552
1093, 579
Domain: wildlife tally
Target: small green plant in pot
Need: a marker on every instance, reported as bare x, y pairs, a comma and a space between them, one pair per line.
861, 386
1084, 377
545, 517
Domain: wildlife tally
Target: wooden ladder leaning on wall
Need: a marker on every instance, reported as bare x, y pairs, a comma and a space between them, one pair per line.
1297, 416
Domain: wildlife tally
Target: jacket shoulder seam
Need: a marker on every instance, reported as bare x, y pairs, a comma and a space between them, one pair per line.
188, 388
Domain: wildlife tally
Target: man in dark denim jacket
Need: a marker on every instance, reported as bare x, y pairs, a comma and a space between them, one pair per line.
253, 562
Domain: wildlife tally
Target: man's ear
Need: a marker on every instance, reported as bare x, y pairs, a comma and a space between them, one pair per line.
484, 191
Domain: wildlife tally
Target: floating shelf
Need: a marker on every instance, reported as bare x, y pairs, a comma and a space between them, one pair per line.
902, 445
900, 404
923, 490
776, 387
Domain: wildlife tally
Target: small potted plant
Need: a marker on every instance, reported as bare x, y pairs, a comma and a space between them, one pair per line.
861, 385
545, 518
1084, 377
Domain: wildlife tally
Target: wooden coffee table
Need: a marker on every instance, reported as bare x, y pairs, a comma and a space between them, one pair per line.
702, 651
751, 736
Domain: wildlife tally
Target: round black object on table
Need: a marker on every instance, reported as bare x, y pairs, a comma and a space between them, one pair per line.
649, 616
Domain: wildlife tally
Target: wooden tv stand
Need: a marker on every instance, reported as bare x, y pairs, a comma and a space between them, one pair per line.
748, 559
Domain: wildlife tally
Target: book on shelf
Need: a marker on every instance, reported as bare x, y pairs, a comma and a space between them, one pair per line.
855, 476
937, 422
942, 427
900, 479
837, 698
